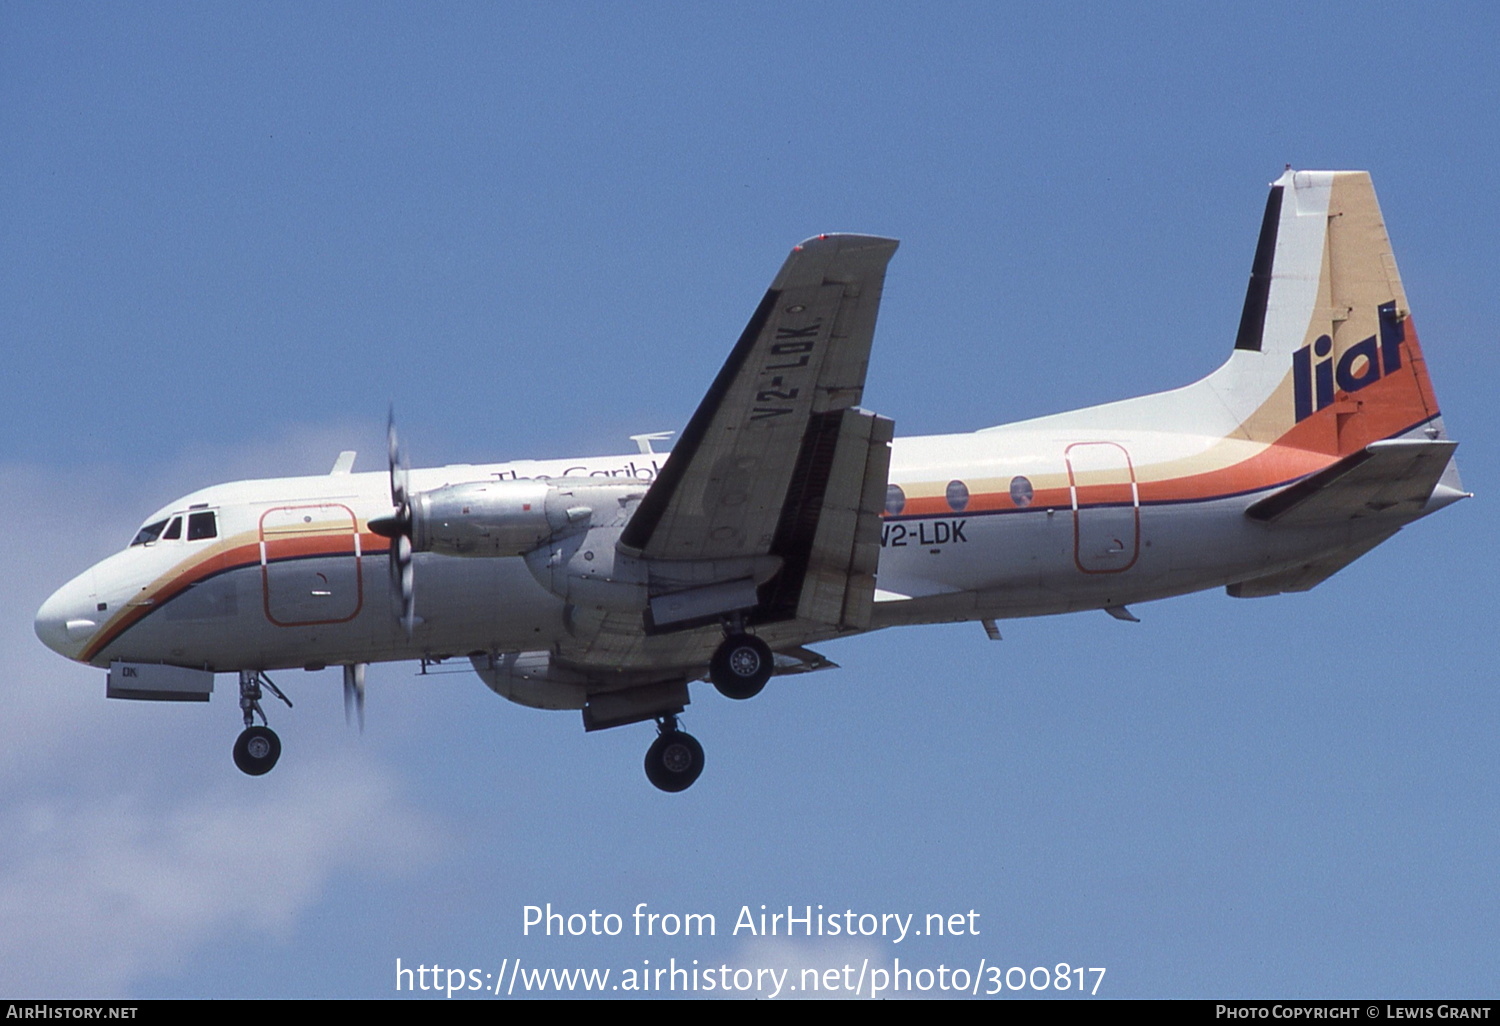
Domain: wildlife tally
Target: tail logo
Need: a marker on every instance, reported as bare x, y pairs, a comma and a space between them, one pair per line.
1315, 373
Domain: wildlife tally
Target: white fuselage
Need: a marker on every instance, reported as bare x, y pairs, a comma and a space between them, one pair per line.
1079, 531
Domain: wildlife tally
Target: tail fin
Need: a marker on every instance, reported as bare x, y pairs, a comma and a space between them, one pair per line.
1326, 358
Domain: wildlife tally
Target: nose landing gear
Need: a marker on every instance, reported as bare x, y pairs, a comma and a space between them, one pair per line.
675, 758
257, 748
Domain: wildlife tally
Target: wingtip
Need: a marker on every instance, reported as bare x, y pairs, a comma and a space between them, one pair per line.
845, 241
815, 257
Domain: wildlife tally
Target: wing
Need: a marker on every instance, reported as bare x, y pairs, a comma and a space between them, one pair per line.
732, 478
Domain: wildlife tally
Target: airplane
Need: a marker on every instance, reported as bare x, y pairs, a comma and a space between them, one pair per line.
786, 514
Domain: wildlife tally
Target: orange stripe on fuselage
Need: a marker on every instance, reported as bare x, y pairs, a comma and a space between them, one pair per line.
1386, 408
1273, 466
233, 554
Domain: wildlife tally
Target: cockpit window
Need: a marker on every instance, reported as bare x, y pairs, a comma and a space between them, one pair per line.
173, 531
149, 533
202, 525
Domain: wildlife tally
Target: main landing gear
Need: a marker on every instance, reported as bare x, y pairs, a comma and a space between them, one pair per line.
257, 748
739, 669
675, 758
741, 666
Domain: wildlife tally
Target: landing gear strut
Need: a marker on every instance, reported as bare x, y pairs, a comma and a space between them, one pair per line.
741, 666
257, 748
675, 759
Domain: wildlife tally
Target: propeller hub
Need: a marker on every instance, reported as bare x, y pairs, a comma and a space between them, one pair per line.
393, 526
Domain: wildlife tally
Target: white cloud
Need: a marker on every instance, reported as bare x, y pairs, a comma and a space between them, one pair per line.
94, 896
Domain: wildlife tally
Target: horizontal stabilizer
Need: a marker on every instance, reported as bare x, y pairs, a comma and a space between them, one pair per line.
1307, 576
1393, 477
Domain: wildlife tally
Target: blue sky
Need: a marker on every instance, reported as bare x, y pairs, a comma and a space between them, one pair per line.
230, 237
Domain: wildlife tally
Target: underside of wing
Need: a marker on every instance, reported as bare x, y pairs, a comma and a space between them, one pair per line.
1307, 576
729, 483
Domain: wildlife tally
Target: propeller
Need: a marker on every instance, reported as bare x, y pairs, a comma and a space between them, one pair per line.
354, 693
397, 527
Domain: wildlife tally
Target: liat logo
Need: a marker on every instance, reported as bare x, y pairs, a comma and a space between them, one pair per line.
1314, 372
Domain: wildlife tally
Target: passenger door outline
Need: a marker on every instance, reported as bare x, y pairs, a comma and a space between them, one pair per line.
1106, 507
311, 564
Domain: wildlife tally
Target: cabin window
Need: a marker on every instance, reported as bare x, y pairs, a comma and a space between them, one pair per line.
1021, 492
958, 496
202, 525
173, 531
149, 533
895, 500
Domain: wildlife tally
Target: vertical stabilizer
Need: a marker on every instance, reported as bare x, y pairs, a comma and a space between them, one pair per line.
1326, 357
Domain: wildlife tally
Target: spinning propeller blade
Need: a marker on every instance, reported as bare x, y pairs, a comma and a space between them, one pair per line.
397, 527
354, 693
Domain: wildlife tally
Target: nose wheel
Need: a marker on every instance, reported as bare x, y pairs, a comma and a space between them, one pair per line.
257, 748
741, 666
675, 758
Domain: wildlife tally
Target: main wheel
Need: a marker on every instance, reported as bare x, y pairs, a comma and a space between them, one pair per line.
674, 761
741, 666
257, 750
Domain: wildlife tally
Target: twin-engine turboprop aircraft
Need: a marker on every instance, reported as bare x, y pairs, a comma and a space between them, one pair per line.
787, 515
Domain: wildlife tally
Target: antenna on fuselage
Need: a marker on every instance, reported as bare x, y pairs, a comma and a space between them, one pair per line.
643, 442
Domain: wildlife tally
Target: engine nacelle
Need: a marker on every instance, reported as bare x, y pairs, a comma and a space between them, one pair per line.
493, 518
535, 679
587, 568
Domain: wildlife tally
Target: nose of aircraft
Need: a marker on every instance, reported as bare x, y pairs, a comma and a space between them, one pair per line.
68, 619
